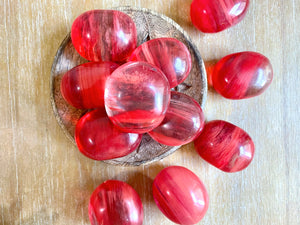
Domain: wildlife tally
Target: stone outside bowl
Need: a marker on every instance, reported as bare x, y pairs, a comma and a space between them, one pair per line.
149, 25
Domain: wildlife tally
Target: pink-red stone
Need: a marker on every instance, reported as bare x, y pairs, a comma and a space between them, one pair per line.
242, 75
115, 202
104, 35
168, 54
183, 122
83, 86
225, 146
137, 96
180, 195
211, 16
98, 139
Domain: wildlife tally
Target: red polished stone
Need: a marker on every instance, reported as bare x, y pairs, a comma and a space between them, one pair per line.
104, 35
242, 75
83, 86
211, 16
180, 195
115, 202
168, 54
183, 122
97, 138
137, 96
225, 146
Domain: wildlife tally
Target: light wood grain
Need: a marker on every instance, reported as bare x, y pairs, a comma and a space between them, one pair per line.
45, 180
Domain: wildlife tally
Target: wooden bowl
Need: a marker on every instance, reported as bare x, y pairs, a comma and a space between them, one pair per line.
149, 25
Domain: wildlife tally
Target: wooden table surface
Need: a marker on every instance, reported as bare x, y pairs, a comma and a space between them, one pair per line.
45, 180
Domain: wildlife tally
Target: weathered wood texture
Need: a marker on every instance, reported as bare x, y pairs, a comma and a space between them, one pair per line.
45, 180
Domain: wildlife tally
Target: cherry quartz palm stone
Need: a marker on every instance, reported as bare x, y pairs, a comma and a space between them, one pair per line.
180, 195
242, 75
168, 54
137, 96
212, 16
104, 35
183, 122
97, 138
83, 86
225, 146
115, 202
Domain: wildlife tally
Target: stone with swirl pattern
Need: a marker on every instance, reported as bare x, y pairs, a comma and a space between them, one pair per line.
225, 146
115, 202
83, 86
183, 122
212, 16
180, 195
242, 75
104, 35
137, 96
97, 138
168, 54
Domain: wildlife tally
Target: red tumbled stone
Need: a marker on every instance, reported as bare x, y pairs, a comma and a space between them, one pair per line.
211, 16
183, 122
137, 96
180, 195
242, 75
83, 86
169, 55
97, 138
115, 202
225, 146
104, 35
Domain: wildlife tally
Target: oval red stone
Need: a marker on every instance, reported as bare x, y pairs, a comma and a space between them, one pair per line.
180, 195
137, 96
211, 16
168, 54
97, 138
183, 122
242, 75
104, 35
115, 202
225, 146
83, 86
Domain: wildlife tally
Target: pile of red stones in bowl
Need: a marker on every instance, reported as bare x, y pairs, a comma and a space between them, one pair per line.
128, 92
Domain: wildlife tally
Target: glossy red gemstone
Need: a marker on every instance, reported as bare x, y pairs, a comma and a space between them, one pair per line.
97, 138
183, 122
242, 75
180, 195
104, 35
137, 96
115, 202
169, 55
225, 146
83, 86
211, 16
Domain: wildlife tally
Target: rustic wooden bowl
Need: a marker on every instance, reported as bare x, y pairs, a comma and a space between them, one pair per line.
149, 25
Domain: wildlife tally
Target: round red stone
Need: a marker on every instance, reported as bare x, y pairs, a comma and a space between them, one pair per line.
97, 138
169, 55
225, 146
104, 35
242, 75
180, 195
183, 122
137, 96
115, 202
211, 16
83, 86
